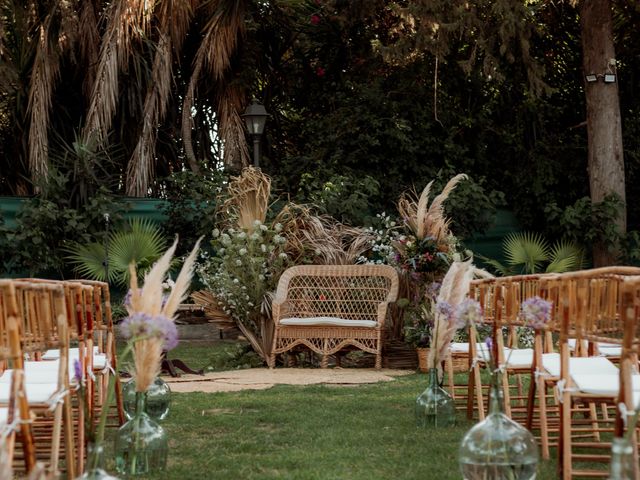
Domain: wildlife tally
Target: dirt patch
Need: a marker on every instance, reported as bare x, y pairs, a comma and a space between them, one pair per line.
263, 378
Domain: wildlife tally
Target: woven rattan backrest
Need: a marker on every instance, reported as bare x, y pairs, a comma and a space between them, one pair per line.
346, 291
483, 291
10, 348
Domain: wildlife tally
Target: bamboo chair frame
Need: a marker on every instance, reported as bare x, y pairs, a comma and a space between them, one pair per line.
43, 325
11, 356
591, 311
630, 310
345, 292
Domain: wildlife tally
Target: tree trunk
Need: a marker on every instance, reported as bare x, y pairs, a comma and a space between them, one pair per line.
604, 129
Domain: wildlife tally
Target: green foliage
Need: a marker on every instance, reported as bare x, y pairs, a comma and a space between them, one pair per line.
142, 243
528, 253
191, 207
45, 225
586, 223
234, 356
346, 198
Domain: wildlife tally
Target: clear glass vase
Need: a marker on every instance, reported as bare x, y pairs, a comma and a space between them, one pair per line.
94, 467
434, 406
141, 445
621, 467
157, 403
498, 448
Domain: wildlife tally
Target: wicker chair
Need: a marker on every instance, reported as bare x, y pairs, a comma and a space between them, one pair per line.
329, 307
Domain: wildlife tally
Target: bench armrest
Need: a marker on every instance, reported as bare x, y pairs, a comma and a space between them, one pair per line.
383, 308
279, 307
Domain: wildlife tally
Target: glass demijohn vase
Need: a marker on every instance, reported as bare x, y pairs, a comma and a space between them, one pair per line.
157, 402
434, 406
94, 467
498, 448
141, 445
621, 460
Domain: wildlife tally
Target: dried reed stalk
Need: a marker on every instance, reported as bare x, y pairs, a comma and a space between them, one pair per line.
147, 359
248, 198
454, 289
320, 239
426, 220
147, 353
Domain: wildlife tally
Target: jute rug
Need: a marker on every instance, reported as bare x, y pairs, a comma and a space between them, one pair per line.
263, 378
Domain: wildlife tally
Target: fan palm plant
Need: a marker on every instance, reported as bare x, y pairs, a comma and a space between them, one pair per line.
528, 253
142, 243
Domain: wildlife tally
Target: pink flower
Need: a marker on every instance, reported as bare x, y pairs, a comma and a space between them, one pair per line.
315, 19
320, 71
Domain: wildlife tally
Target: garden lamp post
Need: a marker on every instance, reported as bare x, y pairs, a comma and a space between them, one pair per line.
255, 116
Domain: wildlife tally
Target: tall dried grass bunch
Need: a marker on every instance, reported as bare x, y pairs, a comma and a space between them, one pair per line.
454, 289
150, 324
248, 199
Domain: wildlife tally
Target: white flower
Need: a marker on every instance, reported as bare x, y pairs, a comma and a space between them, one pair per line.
263, 247
254, 236
264, 228
283, 255
242, 251
238, 263
215, 233
260, 277
221, 251
242, 235
257, 223
277, 227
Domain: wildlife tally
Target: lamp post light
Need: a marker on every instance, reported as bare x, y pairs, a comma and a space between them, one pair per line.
255, 116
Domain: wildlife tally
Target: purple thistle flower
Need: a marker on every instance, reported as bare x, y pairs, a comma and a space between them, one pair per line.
536, 312
77, 371
469, 312
445, 309
140, 326
489, 343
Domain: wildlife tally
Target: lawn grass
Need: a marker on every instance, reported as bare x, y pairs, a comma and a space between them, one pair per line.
309, 432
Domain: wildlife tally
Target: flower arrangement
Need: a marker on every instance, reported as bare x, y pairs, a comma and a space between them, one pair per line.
150, 326
242, 272
418, 320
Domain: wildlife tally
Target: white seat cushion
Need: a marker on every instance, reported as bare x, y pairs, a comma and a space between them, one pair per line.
482, 352
36, 393
54, 353
578, 365
521, 357
39, 372
608, 351
328, 321
602, 384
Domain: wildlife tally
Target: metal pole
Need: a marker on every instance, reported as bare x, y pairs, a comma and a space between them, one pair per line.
256, 150
106, 248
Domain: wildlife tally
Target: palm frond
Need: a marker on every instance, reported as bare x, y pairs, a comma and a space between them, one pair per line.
128, 21
565, 256
526, 250
221, 34
43, 77
140, 170
89, 43
88, 261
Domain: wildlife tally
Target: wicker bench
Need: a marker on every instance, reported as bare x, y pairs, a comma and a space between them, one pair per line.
329, 307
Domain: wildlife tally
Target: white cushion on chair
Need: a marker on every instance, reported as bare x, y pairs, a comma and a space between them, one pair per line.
36, 393
328, 321
603, 384
579, 365
38, 372
521, 357
54, 353
609, 351
482, 352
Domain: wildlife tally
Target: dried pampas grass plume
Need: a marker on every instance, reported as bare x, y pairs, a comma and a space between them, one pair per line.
248, 198
454, 289
428, 220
